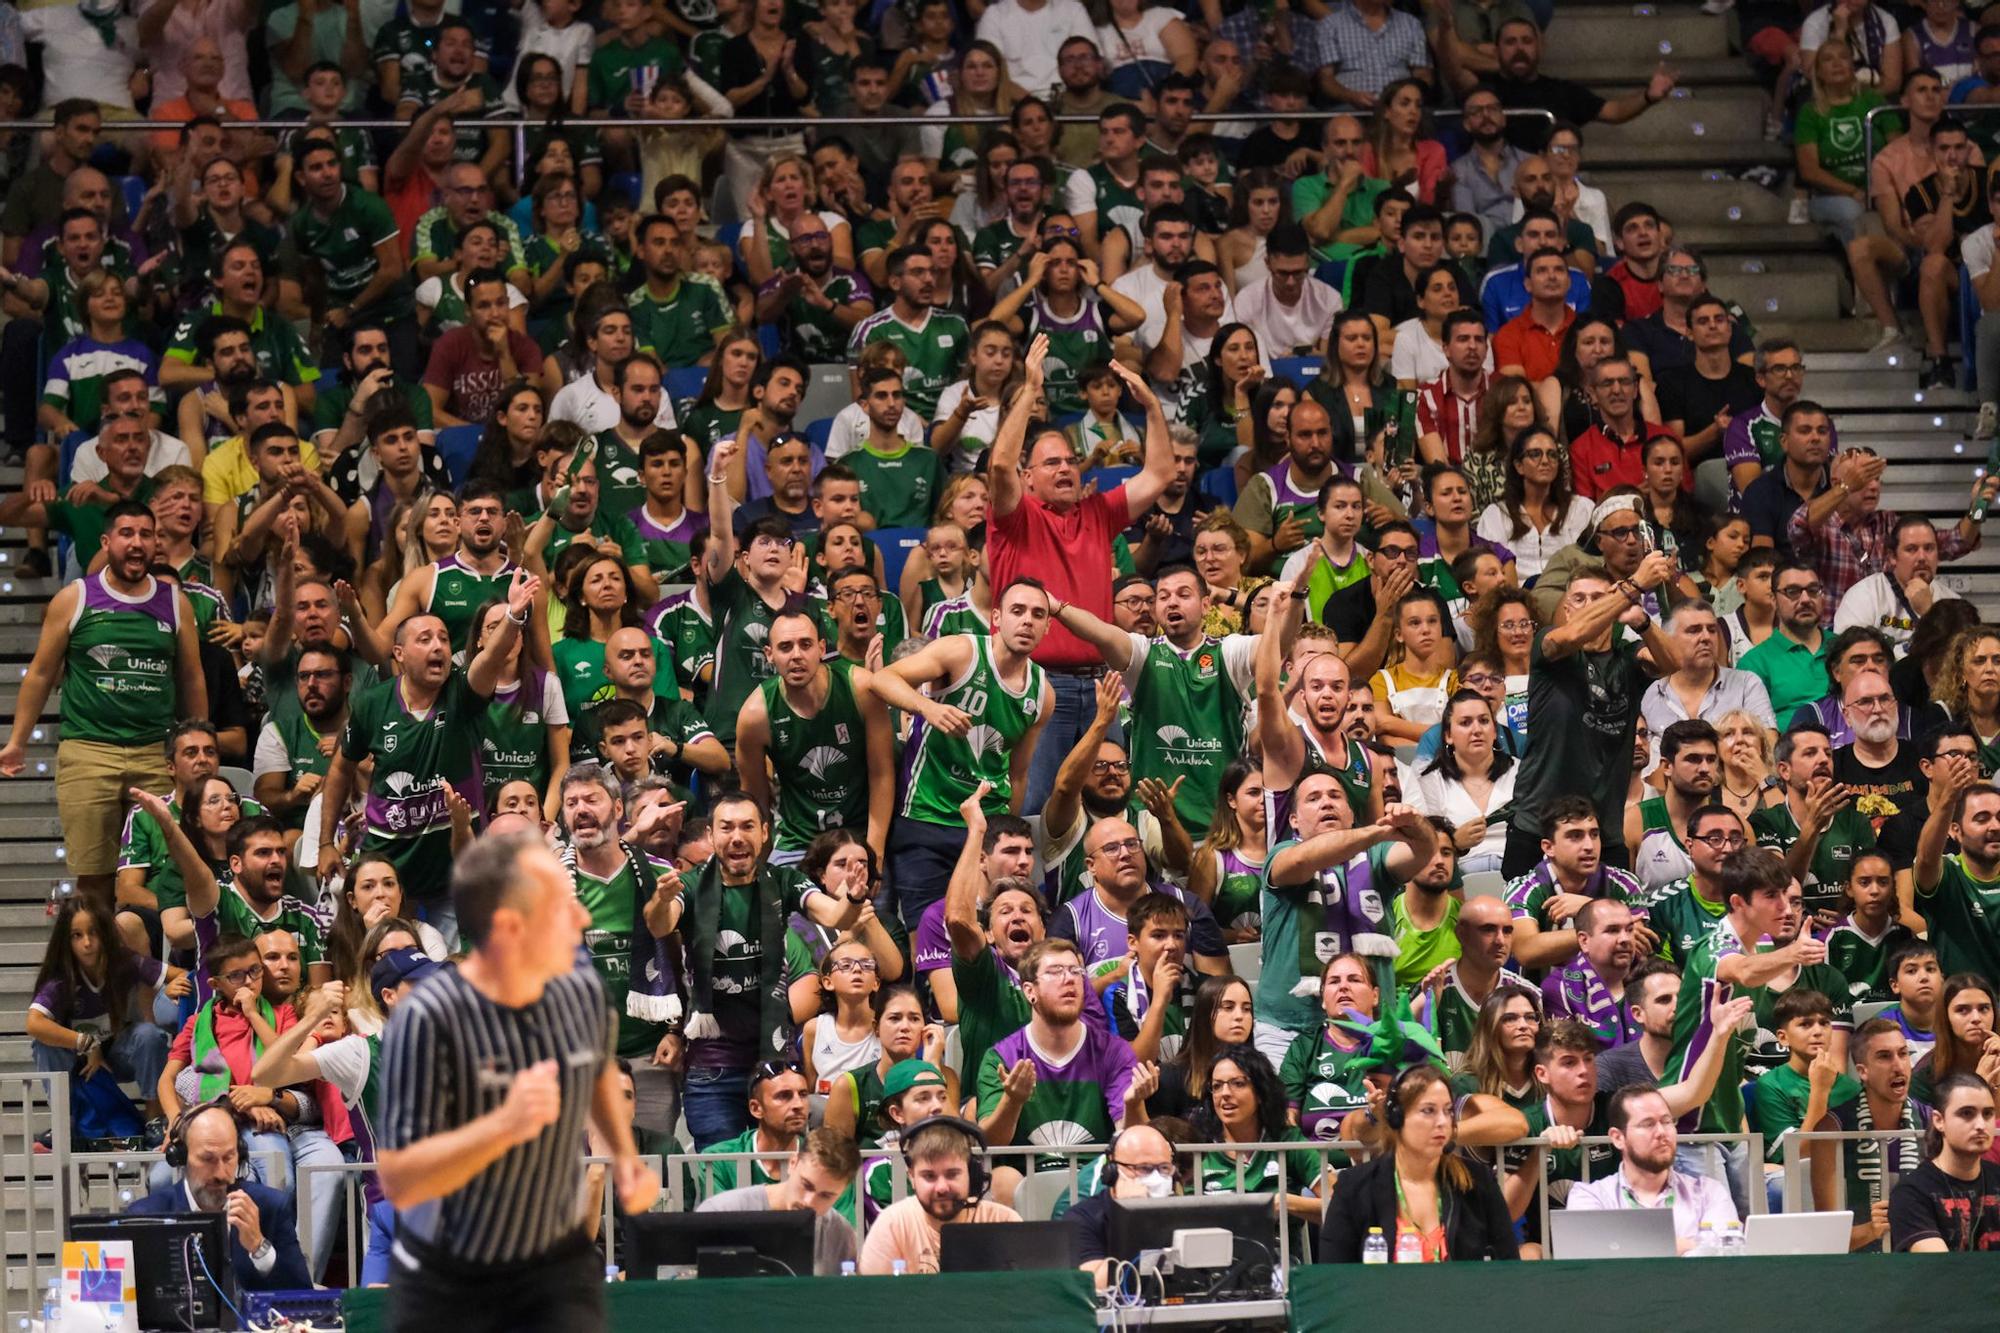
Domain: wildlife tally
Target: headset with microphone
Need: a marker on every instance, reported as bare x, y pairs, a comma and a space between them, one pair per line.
174, 1151
978, 1176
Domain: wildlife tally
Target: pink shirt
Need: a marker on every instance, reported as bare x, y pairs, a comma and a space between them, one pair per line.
1070, 553
224, 20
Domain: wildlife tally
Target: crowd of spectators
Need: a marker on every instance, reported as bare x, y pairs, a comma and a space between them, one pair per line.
1126, 630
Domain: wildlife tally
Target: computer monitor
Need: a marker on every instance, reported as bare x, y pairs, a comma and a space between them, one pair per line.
1006, 1247
1138, 1225
168, 1251
761, 1244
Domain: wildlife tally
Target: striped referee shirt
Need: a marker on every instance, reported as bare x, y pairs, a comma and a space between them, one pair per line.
448, 1058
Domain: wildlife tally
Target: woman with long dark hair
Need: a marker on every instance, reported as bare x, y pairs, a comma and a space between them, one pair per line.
1536, 515
93, 1003
1668, 508
600, 598
506, 453
1470, 782
1225, 416
1228, 871
1565, 398
1507, 409
1421, 1184
1357, 392
959, 290
725, 393
1064, 296
979, 87
854, 1101
1399, 148
1270, 428
1964, 1027
1259, 205
1500, 1061
1245, 1103
1224, 1014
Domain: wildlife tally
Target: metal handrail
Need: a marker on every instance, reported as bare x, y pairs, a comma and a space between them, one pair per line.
1796, 1179
42, 1097
1752, 1138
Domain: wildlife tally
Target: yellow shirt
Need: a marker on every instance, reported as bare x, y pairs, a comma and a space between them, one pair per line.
227, 472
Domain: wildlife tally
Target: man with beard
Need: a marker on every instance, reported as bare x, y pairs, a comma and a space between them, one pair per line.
1187, 687
732, 923
148, 879
1520, 84
591, 400
1956, 893
1425, 916
1583, 695
672, 735
1059, 1080
1483, 174
122, 445
1876, 762
367, 382
780, 1105
992, 919
1326, 891
898, 479
126, 393
1448, 406
977, 731
910, 203
416, 727
1170, 243
1952, 1202
471, 365
263, 1230
1691, 759
1892, 599
1002, 248
1196, 305
1792, 662
239, 288
1095, 782
1159, 187
1644, 1130
744, 596
295, 750
637, 381
1699, 400
1754, 442
1309, 736
1449, 999
575, 513
1570, 876
933, 342
1683, 912
1590, 987
205, 413
1882, 1062
1280, 507
455, 588
906, 1235
1095, 920
1816, 828
121, 646
819, 729
251, 897
993, 864
815, 305
1535, 188
675, 318
626, 891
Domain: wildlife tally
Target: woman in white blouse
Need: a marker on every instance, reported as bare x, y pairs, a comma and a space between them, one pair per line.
1536, 515
1574, 199
1141, 45
1470, 782
1418, 355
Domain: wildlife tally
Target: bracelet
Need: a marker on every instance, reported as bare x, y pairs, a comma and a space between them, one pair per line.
521, 619
718, 481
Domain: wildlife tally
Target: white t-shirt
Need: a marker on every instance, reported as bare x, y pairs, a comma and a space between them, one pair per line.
1147, 286
583, 401
1030, 38
1873, 602
1976, 251
1819, 26
1128, 46
77, 63
1415, 357
571, 48
165, 451
1532, 549
1281, 329
850, 428
980, 427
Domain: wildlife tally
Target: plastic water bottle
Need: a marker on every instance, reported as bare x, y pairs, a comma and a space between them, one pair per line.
1409, 1250
847, 1268
611, 1273
1732, 1245
1706, 1246
1375, 1249
52, 1305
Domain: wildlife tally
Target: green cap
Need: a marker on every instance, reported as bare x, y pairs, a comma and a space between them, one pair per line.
907, 1074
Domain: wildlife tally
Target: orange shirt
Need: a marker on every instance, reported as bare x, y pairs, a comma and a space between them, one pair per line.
1524, 343
165, 141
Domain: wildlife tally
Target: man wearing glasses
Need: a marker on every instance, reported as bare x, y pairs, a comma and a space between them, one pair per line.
468, 198
1817, 829
1612, 452
1792, 662
1142, 1166
1754, 442
1682, 913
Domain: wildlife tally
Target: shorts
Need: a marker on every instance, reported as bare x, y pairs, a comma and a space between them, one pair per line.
91, 781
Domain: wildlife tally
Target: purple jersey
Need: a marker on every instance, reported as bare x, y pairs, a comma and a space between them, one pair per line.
932, 950
1080, 1100
86, 1009
683, 530
1575, 990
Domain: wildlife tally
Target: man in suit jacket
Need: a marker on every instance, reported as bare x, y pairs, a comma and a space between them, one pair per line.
264, 1231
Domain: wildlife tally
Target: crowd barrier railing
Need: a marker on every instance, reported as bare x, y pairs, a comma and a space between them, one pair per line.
1798, 1168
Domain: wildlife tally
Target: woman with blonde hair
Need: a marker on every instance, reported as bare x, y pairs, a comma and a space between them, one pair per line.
1747, 784
1968, 688
979, 87
1399, 150
785, 193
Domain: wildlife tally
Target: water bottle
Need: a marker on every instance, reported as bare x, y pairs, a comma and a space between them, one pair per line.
1705, 1246
1732, 1246
1375, 1249
847, 1268
52, 1305
899, 1267
1409, 1250
611, 1273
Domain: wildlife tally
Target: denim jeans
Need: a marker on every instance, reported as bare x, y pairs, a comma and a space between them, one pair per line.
138, 1054
1076, 705
921, 857
312, 1147
443, 918
716, 1102
1726, 1162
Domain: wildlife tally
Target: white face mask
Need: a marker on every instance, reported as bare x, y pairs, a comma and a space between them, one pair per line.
1159, 1184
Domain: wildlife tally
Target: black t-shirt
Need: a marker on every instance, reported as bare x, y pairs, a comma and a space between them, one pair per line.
1350, 611
1090, 1216
1900, 779
1665, 349
1769, 504
1582, 708
1968, 213
1387, 291
1569, 101
1897, 838
1689, 397
1965, 1214
1178, 548
1266, 148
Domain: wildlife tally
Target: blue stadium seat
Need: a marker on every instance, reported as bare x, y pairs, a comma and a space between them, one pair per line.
71, 443
629, 183
819, 432
134, 190
1109, 478
457, 444
1219, 485
1297, 369
684, 384
329, 378
896, 545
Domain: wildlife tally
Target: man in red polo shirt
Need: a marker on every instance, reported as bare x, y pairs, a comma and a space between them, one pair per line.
1530, 344
1612, 453
1043, 526
1642, 242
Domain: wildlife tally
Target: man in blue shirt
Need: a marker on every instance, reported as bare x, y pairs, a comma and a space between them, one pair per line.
1505, 294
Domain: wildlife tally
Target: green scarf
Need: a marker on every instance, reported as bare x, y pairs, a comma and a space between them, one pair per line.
776, 894
213, 1085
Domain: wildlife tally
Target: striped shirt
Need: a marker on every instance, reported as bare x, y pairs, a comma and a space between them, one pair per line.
448, 1058
1455, 420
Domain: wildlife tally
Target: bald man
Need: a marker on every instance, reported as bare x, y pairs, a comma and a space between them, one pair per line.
1454, 991
1140, 1165
263, 1230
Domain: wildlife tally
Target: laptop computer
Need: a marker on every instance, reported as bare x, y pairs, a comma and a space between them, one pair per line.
1620, 1233
1766, 1234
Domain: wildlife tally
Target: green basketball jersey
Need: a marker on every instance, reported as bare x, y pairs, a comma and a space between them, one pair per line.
513, 734
944, 770
457, 593
119, 686
416, 758
742, 624
897, 489
821, 761
618, 484
1187, 716
611, 904
931, 350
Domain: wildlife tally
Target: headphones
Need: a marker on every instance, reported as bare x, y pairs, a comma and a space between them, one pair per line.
174, 1151
978, 1176
1393, 1113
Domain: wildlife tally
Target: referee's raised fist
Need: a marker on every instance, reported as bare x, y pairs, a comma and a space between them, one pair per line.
534, 1101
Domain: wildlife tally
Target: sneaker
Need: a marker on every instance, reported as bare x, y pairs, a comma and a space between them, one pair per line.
35, 564
156, 1132
1889, 339
1774, 127
1938, 373
1798, 215
1988, 425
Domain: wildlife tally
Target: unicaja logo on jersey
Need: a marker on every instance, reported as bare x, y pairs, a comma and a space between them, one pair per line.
104, 654
1183, 748
821, 760
985, 742
399, 784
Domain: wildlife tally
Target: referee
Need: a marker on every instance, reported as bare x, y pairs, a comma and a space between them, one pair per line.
489, 1070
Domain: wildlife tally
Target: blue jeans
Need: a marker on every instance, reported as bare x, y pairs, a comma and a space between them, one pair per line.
381, 1234
921, 857
443, 917
312, 1147
138, 1054
716, 1103
1076, 705
1726, 1162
